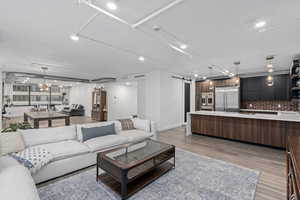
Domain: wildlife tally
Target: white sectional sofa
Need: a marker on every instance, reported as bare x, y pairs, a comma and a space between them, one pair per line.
69, 152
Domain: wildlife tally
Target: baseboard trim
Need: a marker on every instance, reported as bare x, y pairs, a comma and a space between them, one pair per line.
170, 127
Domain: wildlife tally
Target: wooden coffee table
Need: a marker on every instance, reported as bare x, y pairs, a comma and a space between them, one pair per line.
130, 168
45, 116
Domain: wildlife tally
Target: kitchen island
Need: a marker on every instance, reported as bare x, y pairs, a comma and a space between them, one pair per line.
264, 129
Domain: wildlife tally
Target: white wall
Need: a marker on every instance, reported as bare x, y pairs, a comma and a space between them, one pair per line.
172, 102
82, 94
141, 99
164, 99
121, 100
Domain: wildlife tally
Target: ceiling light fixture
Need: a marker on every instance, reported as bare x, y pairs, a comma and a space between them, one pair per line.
260, 24
128, 83
141, 58
269, 65
204, 77
111, 6
196, 75
183, 46
270, 70
74, 37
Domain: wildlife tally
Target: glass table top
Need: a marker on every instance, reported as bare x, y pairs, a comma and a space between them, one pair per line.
137, 152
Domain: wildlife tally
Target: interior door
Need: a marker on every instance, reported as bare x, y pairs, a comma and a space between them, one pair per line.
187, 100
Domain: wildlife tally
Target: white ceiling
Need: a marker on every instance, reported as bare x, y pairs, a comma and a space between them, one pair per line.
217, 33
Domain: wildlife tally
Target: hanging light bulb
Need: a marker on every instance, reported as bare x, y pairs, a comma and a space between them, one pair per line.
237, 64
44, 86
211, 84
270, 81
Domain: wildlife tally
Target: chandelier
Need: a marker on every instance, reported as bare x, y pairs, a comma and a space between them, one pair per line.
44, 87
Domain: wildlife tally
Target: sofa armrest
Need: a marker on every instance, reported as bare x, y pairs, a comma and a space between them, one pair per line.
153, 129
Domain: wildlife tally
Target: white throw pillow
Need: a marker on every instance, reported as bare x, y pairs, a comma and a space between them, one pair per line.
48, 135
34, 158
11, 142
142, 124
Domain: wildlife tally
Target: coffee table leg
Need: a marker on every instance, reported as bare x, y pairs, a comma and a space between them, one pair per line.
25, 117
124, 185
36, 123
49, 123
67, 121
97, 170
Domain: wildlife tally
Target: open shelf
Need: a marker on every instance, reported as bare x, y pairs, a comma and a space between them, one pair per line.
295, 76
295, 88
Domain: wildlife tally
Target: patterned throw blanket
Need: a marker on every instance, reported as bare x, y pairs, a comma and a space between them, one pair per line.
127, 124
34, 158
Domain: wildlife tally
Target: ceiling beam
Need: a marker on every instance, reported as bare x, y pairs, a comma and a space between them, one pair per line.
156, 13
88, 3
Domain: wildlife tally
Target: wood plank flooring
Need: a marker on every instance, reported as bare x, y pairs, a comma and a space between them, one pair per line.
270, 162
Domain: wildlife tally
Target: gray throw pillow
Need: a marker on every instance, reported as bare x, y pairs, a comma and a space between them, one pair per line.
90, 133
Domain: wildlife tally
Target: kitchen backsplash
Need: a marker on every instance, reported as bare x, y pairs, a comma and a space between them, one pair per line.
271, 105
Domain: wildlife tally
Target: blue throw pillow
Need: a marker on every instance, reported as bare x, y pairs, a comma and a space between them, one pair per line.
89, 133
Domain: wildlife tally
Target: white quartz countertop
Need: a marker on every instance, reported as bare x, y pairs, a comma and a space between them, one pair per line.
290, 117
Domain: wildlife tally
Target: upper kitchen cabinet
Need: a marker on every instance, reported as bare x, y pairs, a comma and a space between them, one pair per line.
256, 89
282, 87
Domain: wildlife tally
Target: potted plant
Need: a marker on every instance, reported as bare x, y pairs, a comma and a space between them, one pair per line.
15, 126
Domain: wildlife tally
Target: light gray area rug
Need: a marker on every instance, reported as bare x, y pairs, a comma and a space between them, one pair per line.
194, 178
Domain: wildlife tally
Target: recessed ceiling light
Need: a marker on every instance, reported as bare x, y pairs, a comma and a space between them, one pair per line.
156, 28
231, 75
141, 58
260, 24
74, 37
128, 83
112, 6
204, 77
196, 75
183, 46
270, 70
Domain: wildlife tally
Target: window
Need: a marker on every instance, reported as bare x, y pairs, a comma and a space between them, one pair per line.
31, 95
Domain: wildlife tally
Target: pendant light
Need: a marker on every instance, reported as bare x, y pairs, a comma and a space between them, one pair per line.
270, 67
237, 64
211, 84
44, 86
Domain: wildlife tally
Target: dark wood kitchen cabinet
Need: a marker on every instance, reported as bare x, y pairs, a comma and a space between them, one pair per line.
272, 133
256, 89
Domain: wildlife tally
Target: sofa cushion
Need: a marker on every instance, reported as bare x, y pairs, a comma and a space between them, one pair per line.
48, 135
142, 124
65, 149
105, 142
99, 131
90, 125
136, 135
15, 181
11, 142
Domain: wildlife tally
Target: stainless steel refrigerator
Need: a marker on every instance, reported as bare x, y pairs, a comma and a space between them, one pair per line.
227, 99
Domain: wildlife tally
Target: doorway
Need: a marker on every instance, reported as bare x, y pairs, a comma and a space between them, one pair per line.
187, 99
